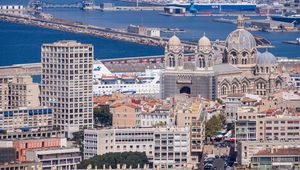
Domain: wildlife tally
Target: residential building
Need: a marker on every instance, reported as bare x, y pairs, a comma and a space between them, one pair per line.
281, 100
188, 112
245, 126
295, 80
102, 141
31, 134
232, 102
60, 158
7, 154
26, 119
248, 149
21, 166
158, 117
18, 91
67, 84
125, 114
171, 147
165, 146
22, 146
278, 127
276, 158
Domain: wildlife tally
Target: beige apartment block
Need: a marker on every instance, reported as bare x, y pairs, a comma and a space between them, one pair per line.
67, 84
247, 149
18, 91
125, 115
25, 119
282, 127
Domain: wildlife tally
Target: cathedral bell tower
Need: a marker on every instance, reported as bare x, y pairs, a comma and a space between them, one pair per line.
174, 54
203, 58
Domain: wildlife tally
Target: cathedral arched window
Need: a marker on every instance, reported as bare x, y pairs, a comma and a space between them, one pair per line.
267, 69
173, 62
170, 62
201, 62
244, 88
261, 69
278, 84
224, 90
261, 88
234, 60
233, 89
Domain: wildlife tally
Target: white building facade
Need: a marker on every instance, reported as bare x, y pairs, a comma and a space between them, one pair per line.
164, 147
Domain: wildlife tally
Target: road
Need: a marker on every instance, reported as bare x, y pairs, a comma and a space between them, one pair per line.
219, 164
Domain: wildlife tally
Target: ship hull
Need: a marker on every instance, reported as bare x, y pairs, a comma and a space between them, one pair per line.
218, 7
286, 19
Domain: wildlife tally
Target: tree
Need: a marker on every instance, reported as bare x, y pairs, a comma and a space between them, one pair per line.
78, 137
213, 125
113, 159
103, 116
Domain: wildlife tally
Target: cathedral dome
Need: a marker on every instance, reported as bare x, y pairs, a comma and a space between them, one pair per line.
239, 40
174, 41
204, 41
266, 58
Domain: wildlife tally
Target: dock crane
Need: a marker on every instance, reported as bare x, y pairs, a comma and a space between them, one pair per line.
192, 8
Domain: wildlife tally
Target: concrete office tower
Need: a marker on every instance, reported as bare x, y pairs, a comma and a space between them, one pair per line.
67, 80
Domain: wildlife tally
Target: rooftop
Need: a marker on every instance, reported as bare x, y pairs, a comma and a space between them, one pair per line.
279, 152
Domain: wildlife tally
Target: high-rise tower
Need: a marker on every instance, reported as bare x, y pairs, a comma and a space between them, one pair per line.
66, 84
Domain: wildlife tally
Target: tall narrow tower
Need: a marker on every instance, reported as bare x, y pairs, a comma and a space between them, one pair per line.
67, 76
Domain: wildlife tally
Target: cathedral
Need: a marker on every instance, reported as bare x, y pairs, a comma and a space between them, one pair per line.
239, 68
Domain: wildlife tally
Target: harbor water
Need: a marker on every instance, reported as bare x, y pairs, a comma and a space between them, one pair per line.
21, 43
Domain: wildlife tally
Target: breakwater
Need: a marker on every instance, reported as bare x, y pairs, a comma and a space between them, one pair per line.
77, 27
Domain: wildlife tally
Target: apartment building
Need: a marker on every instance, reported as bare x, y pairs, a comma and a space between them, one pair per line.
276, 158
21, 166
26, 119
245, 126
18, 91
60, 158
164, 147
281, 100
188, 112
248, 149
125, 114
157, 117
232, 102
280, 127
295, 80
22, 146
171, 147
101, 141
67, 84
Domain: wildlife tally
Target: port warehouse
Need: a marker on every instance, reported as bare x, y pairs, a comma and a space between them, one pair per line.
271, 25
11, 7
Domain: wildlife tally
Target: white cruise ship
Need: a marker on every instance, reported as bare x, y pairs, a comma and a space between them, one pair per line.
146, 83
